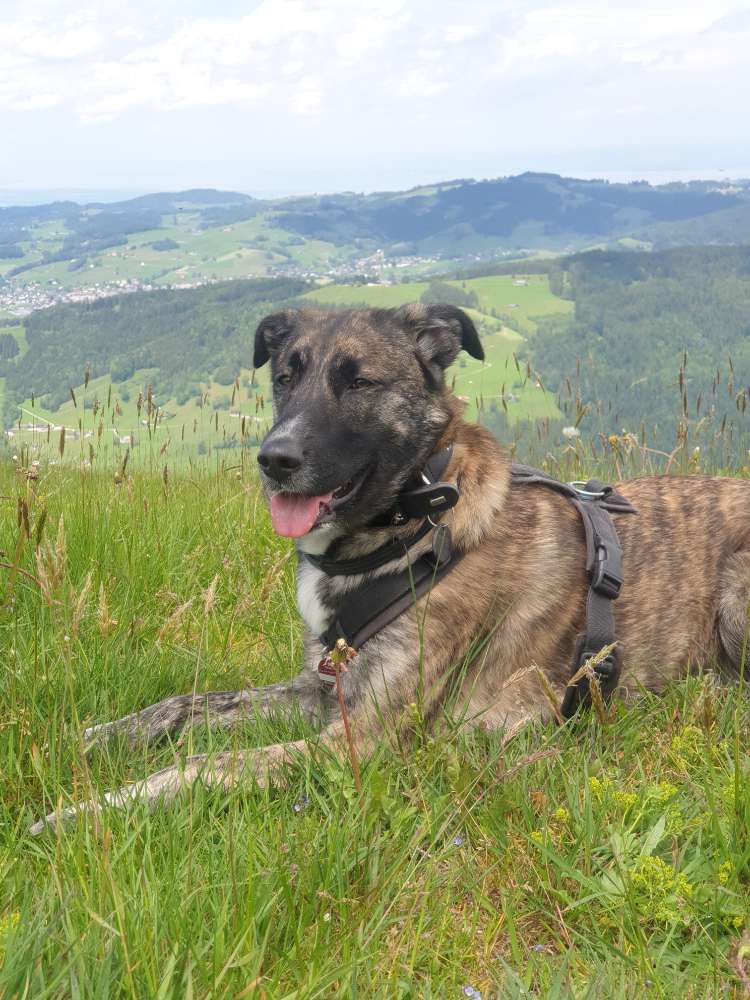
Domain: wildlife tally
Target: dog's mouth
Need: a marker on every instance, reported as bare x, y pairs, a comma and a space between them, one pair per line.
294, 515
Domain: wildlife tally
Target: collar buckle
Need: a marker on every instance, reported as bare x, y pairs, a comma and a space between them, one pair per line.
423, 501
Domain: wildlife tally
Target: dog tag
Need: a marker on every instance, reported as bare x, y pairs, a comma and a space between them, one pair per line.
441, 544
327, 671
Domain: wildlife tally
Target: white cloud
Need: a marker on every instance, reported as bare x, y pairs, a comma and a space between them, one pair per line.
515, 73
112, 59
39, 102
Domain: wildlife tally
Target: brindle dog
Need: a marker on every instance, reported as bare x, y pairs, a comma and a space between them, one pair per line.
360, 405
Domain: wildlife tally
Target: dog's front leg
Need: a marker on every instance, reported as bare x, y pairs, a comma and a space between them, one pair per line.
229, 767
378, 689
217, 708
223, 769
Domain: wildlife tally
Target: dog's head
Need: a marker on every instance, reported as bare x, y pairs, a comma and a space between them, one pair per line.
359, 404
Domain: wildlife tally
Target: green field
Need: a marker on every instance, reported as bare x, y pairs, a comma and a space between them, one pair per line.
239, 250
499, 295
19, 334
599, 860
182, 430
503, 295
376, 296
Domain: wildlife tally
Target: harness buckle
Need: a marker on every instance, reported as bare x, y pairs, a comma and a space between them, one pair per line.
606, 576
607, 673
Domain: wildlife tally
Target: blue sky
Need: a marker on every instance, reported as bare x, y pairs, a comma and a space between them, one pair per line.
300, 95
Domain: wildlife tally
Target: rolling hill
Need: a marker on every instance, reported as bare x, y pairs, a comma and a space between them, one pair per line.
195, 236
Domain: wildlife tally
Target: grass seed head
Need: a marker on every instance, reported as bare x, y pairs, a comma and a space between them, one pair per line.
209, 597
79, 608
104, 620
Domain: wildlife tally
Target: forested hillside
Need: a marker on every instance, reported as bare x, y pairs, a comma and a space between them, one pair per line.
627, 341
187, 336
527, 210
652, 336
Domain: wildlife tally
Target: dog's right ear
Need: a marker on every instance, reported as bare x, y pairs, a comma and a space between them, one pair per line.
271, 333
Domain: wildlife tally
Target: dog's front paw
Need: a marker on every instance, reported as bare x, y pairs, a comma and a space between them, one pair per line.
222, 770
161, 785
63, 816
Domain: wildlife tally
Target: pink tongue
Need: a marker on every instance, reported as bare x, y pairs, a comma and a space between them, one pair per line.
294, 515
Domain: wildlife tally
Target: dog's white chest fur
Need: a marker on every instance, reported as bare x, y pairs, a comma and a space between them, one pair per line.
310, 606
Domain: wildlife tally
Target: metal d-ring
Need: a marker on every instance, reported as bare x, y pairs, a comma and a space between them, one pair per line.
578, 485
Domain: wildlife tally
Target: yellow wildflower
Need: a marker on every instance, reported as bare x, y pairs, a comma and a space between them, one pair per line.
626, 800
724, 873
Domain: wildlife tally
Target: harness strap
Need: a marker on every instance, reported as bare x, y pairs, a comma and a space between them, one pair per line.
594, 502
375, 604
369, 609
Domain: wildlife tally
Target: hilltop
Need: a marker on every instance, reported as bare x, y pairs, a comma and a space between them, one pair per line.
53, 252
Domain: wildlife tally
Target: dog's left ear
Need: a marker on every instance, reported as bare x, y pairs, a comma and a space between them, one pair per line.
270, 333
441, 332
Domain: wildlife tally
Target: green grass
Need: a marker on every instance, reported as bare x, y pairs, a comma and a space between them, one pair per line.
594, 861
376, 296
181, 430
238, 250
497, 295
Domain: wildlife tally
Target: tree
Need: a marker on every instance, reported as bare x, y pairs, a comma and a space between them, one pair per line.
443, 293
8, 346
224, 375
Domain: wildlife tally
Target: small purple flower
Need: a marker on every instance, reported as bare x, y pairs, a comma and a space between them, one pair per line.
457, 842
538, 947
471, 991
301, 804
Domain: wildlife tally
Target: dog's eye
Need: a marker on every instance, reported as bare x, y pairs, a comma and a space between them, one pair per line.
361, 383
284, 379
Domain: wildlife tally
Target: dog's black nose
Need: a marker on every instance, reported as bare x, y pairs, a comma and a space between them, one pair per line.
280, 457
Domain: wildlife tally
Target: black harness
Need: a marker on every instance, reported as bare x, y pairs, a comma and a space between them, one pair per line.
380, 600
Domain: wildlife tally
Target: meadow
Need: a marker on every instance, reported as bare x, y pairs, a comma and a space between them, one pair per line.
238, 250
607, 858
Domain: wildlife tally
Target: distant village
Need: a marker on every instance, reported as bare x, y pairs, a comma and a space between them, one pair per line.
382, 268
22, 300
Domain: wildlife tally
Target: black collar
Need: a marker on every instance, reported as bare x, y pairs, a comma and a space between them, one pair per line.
429, 497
